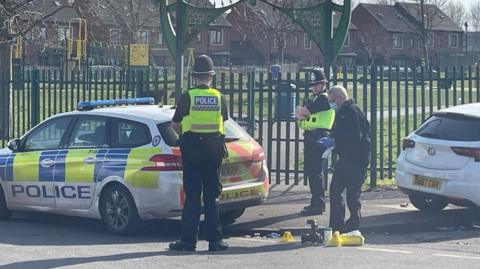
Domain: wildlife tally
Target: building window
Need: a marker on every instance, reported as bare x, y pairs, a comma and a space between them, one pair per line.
115, 36
142, 37
453, 41
399, 62
277, 41
63, 33
411, 43
397, 42
216, 37
430, 41
160, 38
347, 41
307, 42
296, 42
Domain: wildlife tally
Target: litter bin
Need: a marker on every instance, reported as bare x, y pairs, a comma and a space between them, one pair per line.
285, 101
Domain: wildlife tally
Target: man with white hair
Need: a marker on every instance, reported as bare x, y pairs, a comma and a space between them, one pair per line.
351, 139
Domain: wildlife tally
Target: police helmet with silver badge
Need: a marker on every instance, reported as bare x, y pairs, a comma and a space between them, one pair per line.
203, 65
317, 76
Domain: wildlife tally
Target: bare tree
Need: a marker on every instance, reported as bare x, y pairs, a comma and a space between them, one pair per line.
17, 19
267, 27
456, 11
424, 16
130, 16
473, 16
373, 46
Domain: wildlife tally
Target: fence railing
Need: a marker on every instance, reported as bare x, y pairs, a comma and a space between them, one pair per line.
396, 100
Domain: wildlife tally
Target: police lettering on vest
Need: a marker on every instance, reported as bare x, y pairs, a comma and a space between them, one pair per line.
319, 120
205, 115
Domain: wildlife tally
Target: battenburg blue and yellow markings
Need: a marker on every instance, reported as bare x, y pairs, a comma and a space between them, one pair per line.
75, 166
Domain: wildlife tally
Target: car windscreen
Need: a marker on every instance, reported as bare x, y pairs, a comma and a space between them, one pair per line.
452, 127
233, 132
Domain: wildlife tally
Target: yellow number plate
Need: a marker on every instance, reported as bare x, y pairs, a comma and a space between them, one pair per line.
427, 182
230, 170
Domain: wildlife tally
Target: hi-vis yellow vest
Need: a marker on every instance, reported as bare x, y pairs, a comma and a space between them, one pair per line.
205, 114
320, 120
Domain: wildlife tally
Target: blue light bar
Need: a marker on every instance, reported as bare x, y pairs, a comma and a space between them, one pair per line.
89, 105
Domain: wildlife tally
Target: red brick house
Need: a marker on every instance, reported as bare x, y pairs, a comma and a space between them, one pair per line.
389, 34
261, 45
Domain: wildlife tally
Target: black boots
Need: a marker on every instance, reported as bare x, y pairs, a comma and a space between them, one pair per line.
186, 246
311, 211
182, 246
217, 246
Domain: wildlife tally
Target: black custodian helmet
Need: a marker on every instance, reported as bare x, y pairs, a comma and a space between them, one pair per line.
317, 76
203, 65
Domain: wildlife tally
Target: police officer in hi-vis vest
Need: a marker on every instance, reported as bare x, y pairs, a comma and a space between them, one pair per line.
199, 119
316, 119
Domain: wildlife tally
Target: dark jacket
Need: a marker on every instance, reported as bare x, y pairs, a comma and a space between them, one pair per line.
352, 134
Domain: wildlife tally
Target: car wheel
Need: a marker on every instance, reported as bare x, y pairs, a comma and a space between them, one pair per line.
5, 213
428, 203
230, 216
118, 210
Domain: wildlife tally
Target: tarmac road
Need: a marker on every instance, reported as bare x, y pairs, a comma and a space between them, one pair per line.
35, 240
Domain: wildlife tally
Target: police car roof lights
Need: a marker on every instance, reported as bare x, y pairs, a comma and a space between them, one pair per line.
89, 105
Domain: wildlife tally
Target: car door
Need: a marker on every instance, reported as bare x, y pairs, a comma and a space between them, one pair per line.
86, 147
30, 170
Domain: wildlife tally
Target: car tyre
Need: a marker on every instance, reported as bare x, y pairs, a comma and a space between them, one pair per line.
230, 216
5, 213
428, 203
118, 210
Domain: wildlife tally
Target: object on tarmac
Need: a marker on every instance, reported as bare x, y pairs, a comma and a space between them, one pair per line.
335, 241
353, 238
273, 235
327, 235
404, 205
287, 237
314, 236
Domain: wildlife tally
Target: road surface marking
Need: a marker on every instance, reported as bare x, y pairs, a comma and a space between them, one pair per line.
386, 250
456, 256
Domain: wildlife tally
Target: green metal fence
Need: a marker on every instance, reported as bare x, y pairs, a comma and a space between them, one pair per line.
396, 100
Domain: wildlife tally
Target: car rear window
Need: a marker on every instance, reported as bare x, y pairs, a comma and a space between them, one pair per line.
233, 131
453, 127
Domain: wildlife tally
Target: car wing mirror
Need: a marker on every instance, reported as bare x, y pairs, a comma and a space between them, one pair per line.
14, 144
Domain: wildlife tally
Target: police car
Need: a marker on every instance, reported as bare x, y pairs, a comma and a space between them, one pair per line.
118, 160
440, 162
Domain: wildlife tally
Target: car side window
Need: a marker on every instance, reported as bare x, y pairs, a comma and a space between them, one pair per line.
89, 132
130, 134
48, 135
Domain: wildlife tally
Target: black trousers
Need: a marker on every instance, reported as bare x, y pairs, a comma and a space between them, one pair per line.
347, 175
201, 176
313, 167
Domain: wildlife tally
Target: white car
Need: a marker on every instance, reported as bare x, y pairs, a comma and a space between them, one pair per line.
120, 164
440, 162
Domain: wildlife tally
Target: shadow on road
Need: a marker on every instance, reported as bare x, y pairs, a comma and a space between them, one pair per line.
55, 263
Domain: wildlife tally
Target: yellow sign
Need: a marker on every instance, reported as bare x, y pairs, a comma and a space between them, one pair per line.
139, 54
